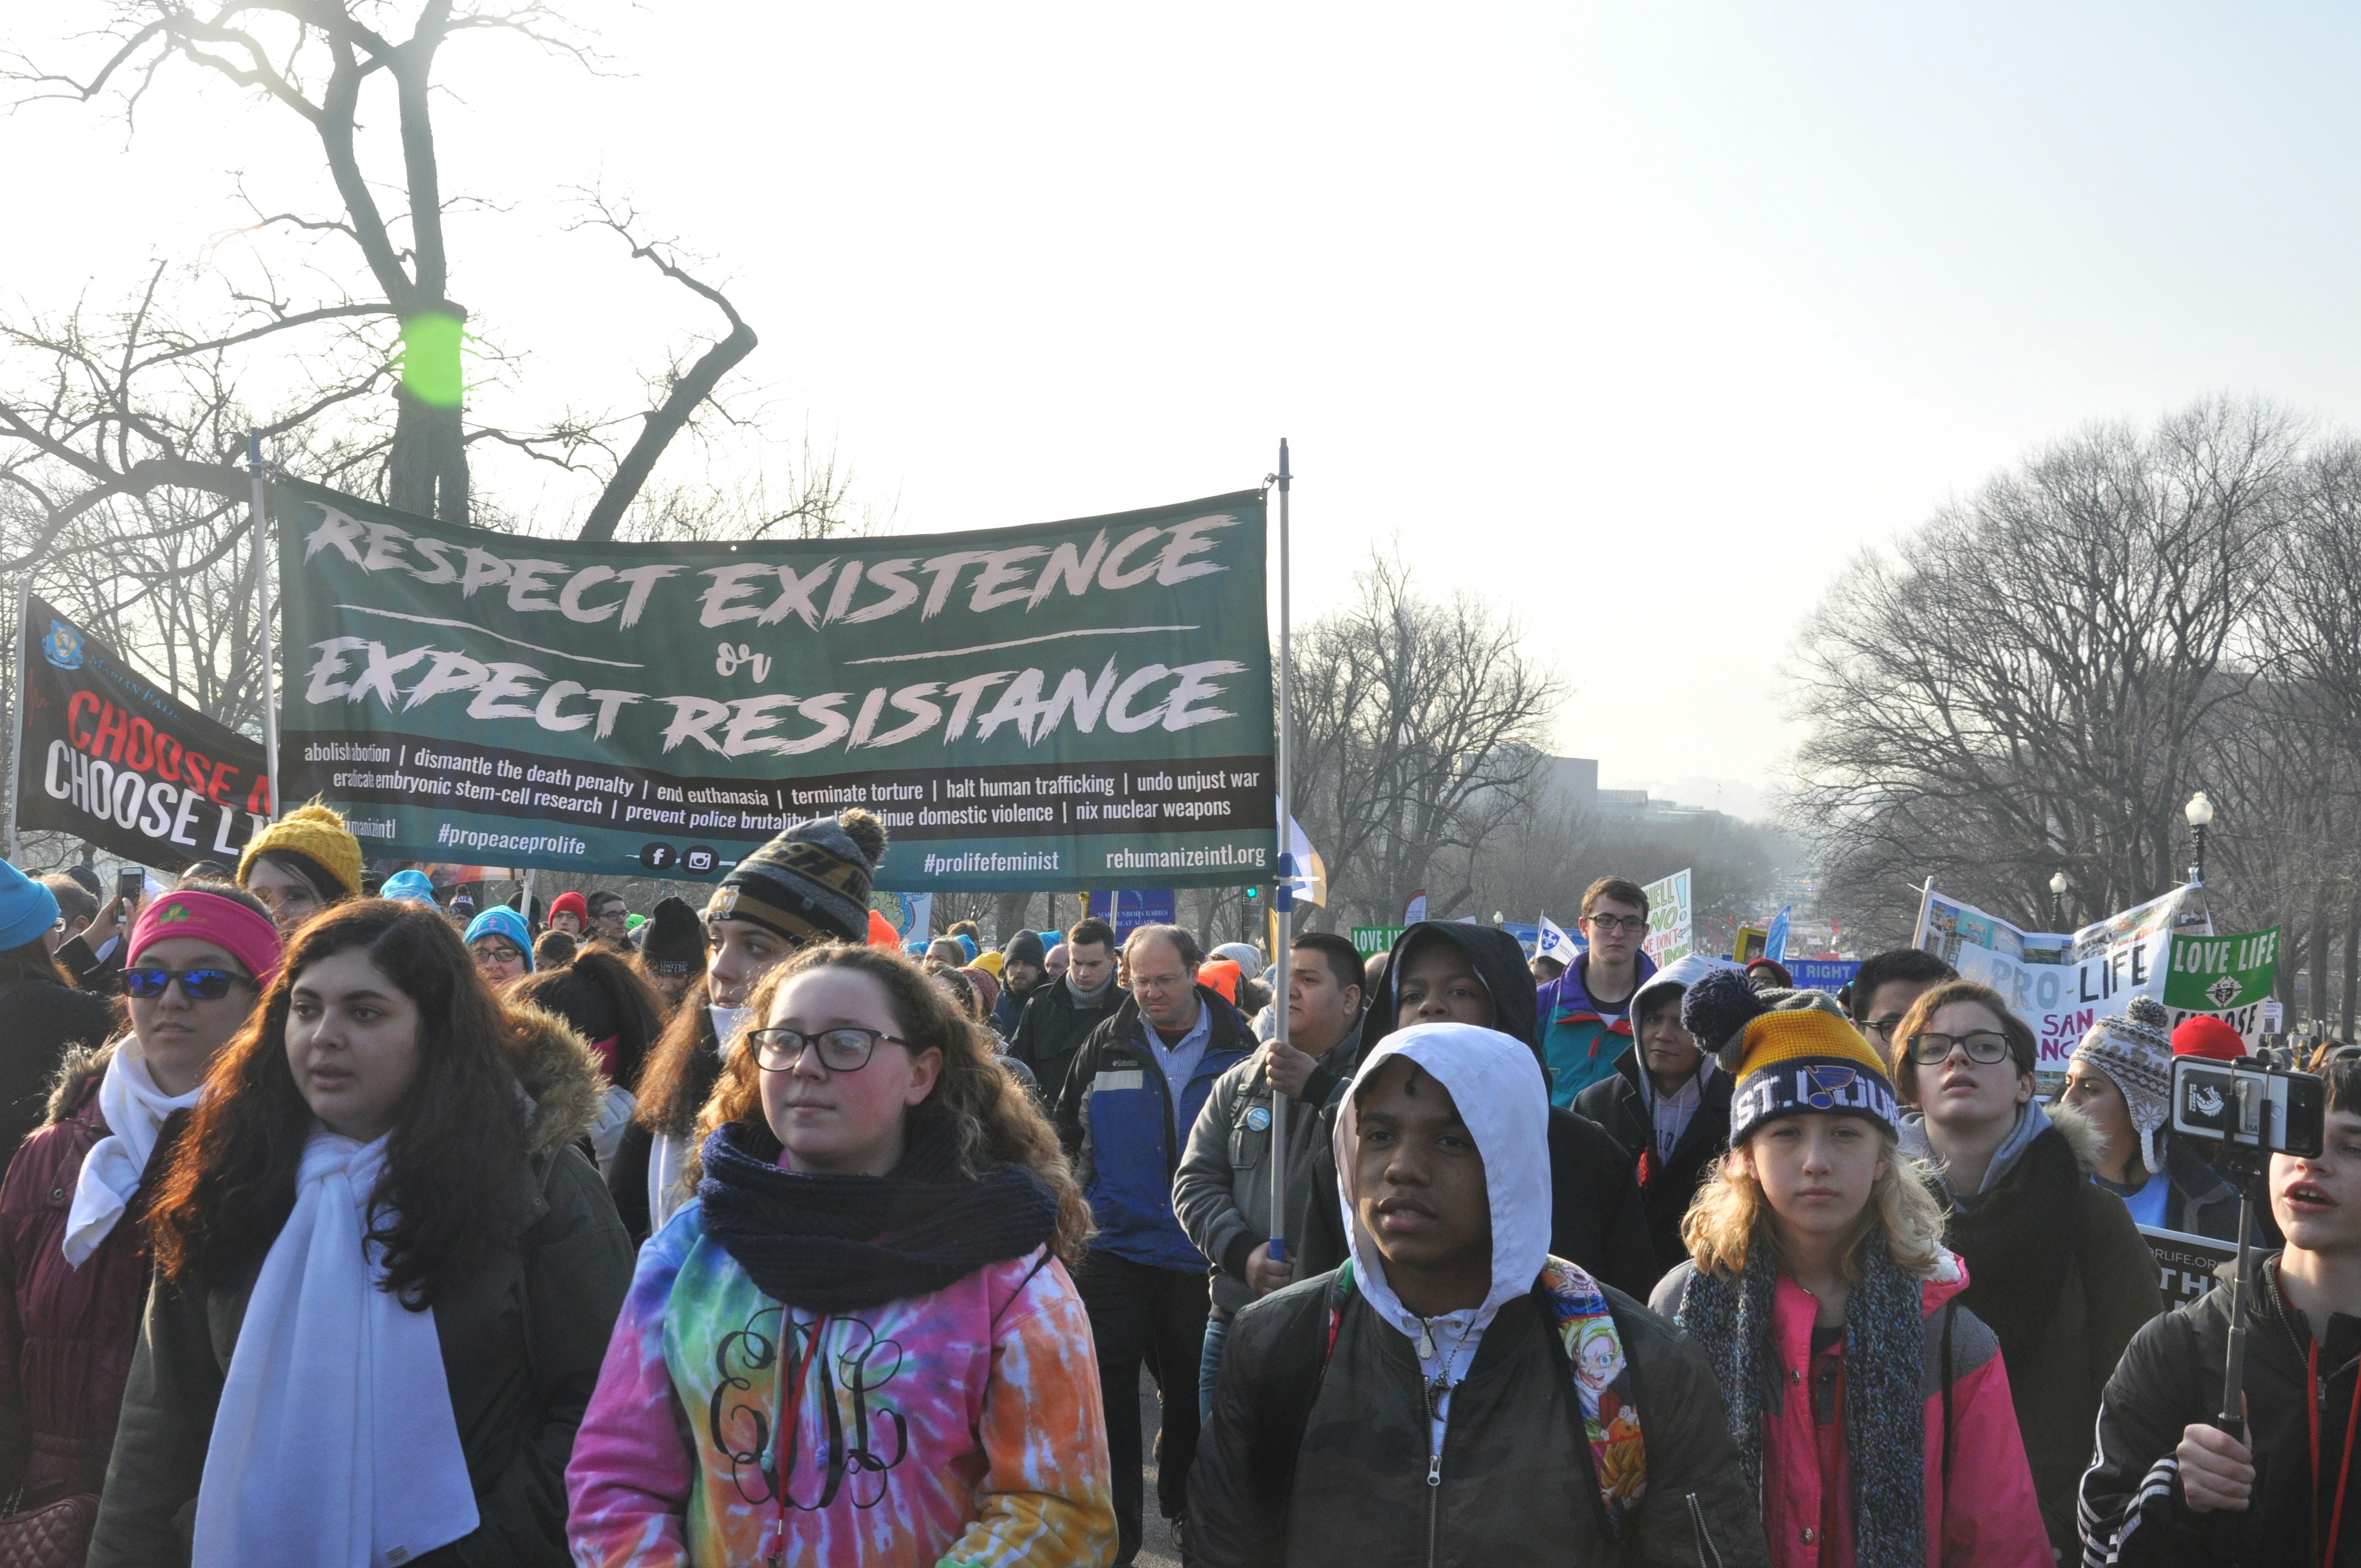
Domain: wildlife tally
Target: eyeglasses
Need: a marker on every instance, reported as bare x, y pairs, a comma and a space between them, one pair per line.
1984, 1046
841, 1050
501, 956
196, 984
1884, 1028
1607, 925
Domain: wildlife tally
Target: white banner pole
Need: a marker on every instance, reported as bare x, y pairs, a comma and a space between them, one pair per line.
1283, 898
17, 716
262, 619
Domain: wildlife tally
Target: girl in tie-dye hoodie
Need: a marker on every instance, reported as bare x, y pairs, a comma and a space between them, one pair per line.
859, 1344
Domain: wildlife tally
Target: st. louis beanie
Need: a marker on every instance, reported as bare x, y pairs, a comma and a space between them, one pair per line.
2133, 1049
28, 909
674, 943
811, 883
317, 834
1790, 1052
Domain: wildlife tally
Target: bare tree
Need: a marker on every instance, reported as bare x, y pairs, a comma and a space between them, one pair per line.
2027, 682
114, 413
1418, 723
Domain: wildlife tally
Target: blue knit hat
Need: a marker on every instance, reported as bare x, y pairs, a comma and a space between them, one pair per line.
28, 909
500, 920
413, 885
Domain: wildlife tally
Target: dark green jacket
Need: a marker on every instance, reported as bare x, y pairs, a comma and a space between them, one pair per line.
522, 1339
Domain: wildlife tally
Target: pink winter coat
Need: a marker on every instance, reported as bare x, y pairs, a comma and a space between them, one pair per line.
1995, 1522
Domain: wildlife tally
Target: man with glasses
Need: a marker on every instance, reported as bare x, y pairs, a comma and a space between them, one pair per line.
609, 921
1885, 986
1587, 1011
1134, 1092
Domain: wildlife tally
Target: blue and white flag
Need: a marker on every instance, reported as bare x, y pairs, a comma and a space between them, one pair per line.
1308, 878
1774, 944
1555, 944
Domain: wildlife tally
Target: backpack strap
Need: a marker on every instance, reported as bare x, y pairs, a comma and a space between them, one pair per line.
1606, 1385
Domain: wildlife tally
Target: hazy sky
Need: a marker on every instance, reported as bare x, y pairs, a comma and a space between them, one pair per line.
1638, 320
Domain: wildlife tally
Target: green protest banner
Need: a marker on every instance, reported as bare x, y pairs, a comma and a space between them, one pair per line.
2228, 976
1056, 706
1373, 939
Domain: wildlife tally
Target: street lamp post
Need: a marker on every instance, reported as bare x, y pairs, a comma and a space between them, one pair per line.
2057, 886
2200, 814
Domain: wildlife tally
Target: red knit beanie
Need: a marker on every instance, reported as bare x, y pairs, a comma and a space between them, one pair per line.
572, 904
2202, 1034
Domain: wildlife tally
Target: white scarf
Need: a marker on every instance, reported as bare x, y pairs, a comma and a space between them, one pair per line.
334, 1445
134, 1110
668, 1153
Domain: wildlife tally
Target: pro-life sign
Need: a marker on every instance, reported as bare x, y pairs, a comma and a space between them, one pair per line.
110, 758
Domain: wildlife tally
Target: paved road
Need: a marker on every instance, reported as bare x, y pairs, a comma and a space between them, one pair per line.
1156, 1548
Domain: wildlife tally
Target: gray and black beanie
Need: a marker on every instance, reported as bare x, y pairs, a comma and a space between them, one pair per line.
810, 883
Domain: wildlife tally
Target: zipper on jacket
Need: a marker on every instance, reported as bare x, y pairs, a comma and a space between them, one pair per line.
1708, 1555
1434, 1477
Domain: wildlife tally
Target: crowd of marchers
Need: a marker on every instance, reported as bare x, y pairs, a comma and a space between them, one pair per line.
346, 1225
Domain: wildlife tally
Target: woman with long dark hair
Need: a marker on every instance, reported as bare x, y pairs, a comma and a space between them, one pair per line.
384, 1277
858, 1342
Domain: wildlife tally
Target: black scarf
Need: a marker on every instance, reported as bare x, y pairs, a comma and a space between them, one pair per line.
2010, 1237
838, 1244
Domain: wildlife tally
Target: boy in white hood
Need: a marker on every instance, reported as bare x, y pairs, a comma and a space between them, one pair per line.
1454, 1392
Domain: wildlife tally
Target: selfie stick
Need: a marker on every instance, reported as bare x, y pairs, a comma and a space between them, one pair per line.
2248, 1170
1283, 899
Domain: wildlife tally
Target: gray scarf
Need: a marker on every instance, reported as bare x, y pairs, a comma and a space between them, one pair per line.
1090, 998
1884, 1410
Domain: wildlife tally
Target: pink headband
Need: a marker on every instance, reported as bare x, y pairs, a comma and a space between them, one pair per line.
228, 925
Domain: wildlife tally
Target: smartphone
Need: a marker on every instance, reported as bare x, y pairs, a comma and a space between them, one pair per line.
130, 881
2249, 1105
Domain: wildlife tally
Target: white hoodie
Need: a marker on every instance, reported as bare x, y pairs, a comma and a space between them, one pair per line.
1503, 1098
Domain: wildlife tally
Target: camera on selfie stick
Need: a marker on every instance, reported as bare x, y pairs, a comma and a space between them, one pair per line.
2248, 1109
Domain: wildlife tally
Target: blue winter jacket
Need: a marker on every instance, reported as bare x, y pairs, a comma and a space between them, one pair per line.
1114, 1116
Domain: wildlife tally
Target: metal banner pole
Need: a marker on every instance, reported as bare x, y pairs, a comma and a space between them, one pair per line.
262, 615
1283, 901
17, 716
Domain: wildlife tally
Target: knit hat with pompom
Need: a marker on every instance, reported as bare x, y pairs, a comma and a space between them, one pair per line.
1791, 1052
809, 885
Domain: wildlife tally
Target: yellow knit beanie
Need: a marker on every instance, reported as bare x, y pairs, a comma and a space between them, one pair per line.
317, 834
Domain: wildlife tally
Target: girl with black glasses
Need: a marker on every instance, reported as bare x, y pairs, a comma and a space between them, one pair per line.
859, 1342
2055, 1264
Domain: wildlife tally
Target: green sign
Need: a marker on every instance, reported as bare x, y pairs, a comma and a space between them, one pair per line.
2221, 974
1050, 707
1377, 939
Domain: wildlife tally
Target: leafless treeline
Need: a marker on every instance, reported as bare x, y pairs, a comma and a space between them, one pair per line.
2040, 677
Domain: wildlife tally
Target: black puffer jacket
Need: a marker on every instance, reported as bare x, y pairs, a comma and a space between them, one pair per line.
1513, 1486
1616, 1105
2132, 1510
1052, 1031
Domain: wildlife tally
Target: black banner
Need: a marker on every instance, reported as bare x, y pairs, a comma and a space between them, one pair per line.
110, 758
